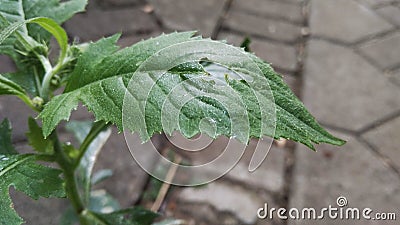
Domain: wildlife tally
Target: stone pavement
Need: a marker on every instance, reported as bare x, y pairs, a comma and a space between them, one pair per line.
342, 57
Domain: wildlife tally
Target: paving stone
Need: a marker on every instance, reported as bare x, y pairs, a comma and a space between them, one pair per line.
128, 178
120, 2
395, 77
384, 51
203, 214
6, 64
391, 13
96, 23
269, 176
279, 55
375, 3
42, 211
352, 171
126, 41
251, 24
224, 197
293, 12
17, 112
344, 90
189, 15
386, 139
345, 20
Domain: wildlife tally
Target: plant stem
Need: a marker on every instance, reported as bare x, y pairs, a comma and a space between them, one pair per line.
68, 171
165, 186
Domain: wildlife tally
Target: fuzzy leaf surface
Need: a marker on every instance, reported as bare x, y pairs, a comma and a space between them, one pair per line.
101, 82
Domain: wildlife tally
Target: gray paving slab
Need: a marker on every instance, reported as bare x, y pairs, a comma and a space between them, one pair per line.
342, 89
269, 176
395, 77
251, 24
391, 13
128, 178
281, 56
17, 112
42, 211
120, 3
385, 139
376, 3
128, 40
186, 15
274, 9
352, 171
224, 197
97, 23
344, 20
384, 51
6, 64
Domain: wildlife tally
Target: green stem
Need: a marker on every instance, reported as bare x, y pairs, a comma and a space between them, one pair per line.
70, 183
37, 81
28, 102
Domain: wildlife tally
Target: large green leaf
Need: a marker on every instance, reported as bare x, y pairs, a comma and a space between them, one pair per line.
25, 175
101, 84
6, 146
8, 87
91, 60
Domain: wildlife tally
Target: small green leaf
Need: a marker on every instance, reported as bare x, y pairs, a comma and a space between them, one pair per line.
246, 44
80, 129
6, 146
56, 30
25, 175
101, 175
36, 139
89, 150
69, 217
102, 202
8, 87
130, 216
48, 24
27, 83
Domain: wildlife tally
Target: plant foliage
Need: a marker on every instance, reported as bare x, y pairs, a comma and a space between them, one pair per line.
99, 74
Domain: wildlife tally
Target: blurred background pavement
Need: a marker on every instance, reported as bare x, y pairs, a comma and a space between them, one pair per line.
341, 57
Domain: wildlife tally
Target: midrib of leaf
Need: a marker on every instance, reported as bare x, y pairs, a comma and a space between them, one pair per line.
13, 165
